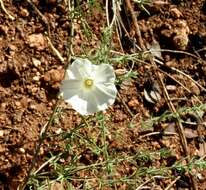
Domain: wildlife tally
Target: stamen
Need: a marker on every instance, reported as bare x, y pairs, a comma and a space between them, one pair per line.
88, 83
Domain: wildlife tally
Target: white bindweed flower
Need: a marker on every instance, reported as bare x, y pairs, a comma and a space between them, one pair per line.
87, 87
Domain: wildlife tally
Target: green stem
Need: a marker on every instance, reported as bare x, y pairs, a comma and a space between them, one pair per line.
38, 146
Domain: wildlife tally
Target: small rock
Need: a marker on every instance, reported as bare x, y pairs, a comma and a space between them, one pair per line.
18, 104
182, 31
2, 148
3, 29
175, 12
133, 103
194, 88
22, 150
171, 87
12, 49
119, 72
24, 102
54, 75
36, 62
24, 12
170, 128
34, 90
57, 186
1, 133
32, 107
41, 151
36, 78
189, 133
58, 131
37, 41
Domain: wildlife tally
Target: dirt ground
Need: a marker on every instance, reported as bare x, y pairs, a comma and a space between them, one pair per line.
30, 76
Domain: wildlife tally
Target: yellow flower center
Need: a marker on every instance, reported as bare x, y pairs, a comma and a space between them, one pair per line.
88, 83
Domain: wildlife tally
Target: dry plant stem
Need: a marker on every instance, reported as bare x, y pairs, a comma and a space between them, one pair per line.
143, 184
118, 36
4, 9
114, 12
166, 95
178, 82
184, 74
85, 121
179, 128
56, 52
125, 105
119, 20
172, 183
179, 124
149, 180
134, 19
43, 18
158, 133
175, 51
45, 163
70, 52
38, 146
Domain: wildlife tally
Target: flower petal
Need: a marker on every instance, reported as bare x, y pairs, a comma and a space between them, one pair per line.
82, 68
104, 73
105, 95
70, 88
79, 104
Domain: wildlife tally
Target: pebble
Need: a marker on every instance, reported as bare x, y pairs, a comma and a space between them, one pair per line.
58, 131
175, 12
1, 133
171, 87
133, 103
37, 41
22, 150
3, 29
36, 62
195, 89
36, 78
54, 75
119, 72
18, 104
24, 12
32, 107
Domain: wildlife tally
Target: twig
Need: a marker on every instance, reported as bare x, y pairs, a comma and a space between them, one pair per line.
43, 18
85, 121
45, 163
172, 183
137, 30
178, 82
70, 41
182, 73
56, 52
179, 127
158, 133
4, 9
114, 12
143, 184
125, 105
38, 146
154, 177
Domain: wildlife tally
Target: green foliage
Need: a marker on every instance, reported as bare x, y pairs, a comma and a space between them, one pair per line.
169, 116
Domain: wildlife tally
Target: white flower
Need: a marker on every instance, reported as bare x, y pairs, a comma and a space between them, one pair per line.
89, 88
